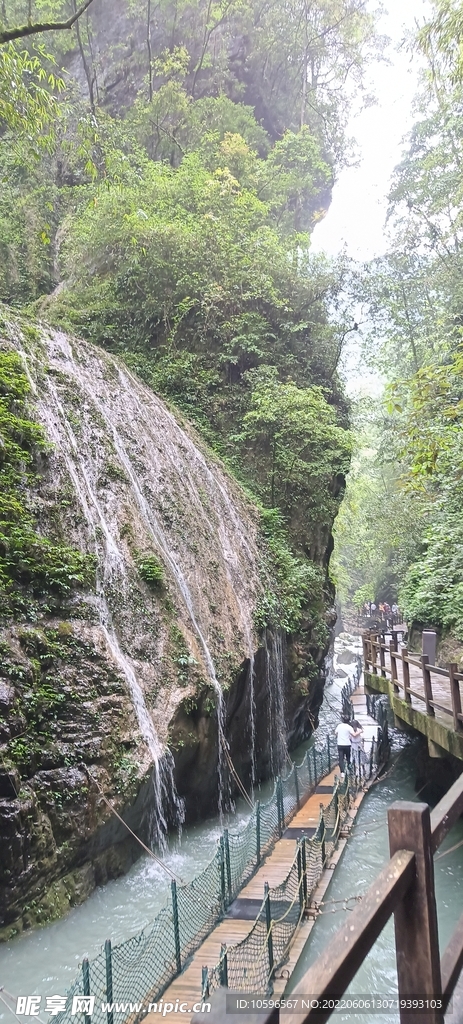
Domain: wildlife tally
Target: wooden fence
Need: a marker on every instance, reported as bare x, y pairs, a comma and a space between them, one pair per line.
404, 887
376, 652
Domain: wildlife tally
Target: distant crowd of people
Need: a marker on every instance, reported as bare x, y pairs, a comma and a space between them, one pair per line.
382, 610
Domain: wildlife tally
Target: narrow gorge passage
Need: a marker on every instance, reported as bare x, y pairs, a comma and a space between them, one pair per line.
231, 437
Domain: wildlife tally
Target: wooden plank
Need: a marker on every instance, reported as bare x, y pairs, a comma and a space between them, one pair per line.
415, 917
436, 670
273, 869
455, 696
412, 661
440, 707
446, 813
340, 960
419, 696
452, 960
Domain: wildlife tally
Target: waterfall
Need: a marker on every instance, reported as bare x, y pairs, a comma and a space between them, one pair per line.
274, 673
252, 720
100, 407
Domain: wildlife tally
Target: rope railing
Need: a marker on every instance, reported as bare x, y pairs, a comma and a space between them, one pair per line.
140, 968
250, 965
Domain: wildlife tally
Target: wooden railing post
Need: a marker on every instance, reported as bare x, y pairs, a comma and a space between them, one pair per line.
456, 698
373, 651
406, 675
393, 661
416, 936
366, 653
382, 656
427, 683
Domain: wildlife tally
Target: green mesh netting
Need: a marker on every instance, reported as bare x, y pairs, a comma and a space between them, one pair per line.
141, 968
249, 965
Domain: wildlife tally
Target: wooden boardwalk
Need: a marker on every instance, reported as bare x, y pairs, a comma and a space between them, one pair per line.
242, 913
424, 696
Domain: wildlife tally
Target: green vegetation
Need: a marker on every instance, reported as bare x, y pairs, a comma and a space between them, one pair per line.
177, 210
151, 571
44, 695
31, 566
401, 527
297, 584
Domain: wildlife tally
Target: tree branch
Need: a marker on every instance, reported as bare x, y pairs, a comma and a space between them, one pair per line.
52, 26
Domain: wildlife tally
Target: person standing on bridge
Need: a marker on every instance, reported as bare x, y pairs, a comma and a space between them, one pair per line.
344, 733
356, 745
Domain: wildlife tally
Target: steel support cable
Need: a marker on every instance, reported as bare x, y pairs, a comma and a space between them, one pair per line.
233, 770
450, 850
231, 766
158, 860
10, 1008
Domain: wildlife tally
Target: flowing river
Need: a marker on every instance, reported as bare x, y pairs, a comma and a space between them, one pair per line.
46, 961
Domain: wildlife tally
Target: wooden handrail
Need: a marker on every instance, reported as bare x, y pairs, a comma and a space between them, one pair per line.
372, 645
333, 970
452, 960
404, 887
446, 813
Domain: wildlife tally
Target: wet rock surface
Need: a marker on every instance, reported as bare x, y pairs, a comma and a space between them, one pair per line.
115, 692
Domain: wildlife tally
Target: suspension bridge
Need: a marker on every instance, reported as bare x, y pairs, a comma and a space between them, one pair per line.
243, 921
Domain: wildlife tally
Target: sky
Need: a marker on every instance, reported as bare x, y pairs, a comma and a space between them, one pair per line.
358, 209
356, 218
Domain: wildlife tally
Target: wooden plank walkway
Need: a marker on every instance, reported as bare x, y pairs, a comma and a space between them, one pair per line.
440, 683
187, 986
423, 696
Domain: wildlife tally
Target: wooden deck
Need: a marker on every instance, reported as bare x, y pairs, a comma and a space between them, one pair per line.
423, 696
187, 986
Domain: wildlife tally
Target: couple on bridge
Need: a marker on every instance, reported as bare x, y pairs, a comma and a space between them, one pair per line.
349, 735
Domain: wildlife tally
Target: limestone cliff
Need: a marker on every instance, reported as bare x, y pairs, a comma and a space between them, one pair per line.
118, 682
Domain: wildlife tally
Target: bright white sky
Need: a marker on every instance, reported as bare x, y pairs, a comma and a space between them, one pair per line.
358, 209
356, 217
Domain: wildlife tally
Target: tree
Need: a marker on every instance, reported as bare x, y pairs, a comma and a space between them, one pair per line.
294, 448
28, 108
7, 35
401, 524
442, 38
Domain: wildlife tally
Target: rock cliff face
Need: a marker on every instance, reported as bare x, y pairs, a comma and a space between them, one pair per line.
121, 690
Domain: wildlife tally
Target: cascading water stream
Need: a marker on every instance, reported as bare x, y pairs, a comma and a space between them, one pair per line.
252, 720
274, 670
134, 439
113, 573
